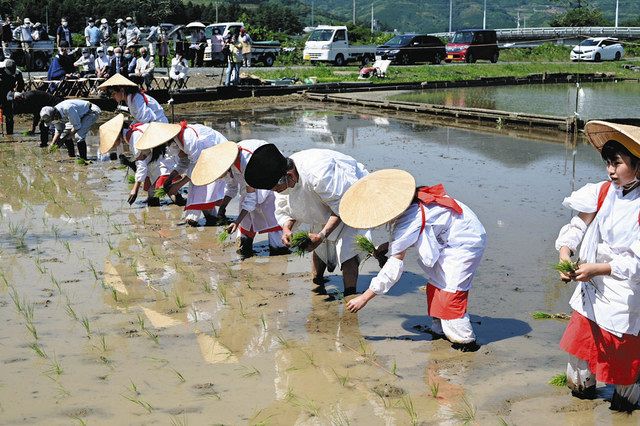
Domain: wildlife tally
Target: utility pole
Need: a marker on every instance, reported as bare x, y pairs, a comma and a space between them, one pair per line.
484, 16
312, 10
617, 13
371, 17
518, 19
450, 13
217, 12
354, 12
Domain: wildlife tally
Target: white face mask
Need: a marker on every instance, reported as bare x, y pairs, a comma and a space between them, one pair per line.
64, 24
118, 55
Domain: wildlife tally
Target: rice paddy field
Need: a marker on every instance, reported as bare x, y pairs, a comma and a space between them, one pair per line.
118, 314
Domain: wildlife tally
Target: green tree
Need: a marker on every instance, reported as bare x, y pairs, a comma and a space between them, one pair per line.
579, 13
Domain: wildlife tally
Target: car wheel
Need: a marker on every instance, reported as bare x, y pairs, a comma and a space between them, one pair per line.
268, 60
366, 60
470, 58
494, 58
597, 57
436, 59
339, 61
618, 56
448, 61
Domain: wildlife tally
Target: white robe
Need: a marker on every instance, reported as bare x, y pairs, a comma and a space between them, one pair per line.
145, 112
614, 238
144, 167
259, 204
324, 177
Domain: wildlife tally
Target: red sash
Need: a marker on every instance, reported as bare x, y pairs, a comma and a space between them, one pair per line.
602, 194
135, 127
435, 195
237, 162
183, 127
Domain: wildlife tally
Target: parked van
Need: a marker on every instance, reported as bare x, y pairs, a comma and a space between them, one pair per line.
471, 45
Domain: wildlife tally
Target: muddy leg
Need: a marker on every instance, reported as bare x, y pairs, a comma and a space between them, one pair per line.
245, 249
580, 379
317, 273
350, 275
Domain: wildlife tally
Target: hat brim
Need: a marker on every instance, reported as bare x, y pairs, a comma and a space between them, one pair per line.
265, 167
214, 162
117, 80
600, 132
109, 133
157, 134
377, 198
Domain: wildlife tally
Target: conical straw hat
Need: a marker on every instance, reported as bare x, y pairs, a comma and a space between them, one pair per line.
214, 162
377, 198
109, 133
157, 134
117, 80
600, 132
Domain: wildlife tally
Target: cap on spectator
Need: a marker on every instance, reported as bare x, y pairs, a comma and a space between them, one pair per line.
85, 50
90, 20
10, 66
110, 49
37, 24
128, 18
63, 20
27, 21
119, 21
103, 21
100, 49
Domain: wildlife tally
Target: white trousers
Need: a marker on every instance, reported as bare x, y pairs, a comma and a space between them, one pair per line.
579, 377
457, 330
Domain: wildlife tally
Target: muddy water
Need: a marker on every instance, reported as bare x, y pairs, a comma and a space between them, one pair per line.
594, 100
141, 320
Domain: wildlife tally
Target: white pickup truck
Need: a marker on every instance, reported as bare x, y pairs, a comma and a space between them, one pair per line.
261, 51
331, 44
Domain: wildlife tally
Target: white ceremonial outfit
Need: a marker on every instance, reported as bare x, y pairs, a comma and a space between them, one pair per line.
192, 140
145, 109
324, 177
612, 302
77, 115
450, 247
260, 204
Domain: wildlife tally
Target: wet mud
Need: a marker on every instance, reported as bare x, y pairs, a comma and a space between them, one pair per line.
114, 314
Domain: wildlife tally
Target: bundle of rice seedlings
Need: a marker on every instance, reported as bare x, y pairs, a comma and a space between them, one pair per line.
54, 148
223, 236
546, 315
160, 193
566, 266
365, 245
81, 161
299, 242
131, 179
559, 380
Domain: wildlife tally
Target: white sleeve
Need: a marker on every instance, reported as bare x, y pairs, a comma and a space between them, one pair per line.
249, 201
388, 276
626, 266
571, 234
585, 199
332, 185
230, 186
141, 169
283, 209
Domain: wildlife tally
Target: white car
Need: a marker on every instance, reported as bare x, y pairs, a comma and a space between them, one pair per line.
598, 49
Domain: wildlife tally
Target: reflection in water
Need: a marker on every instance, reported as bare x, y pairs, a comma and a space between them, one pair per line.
596, 100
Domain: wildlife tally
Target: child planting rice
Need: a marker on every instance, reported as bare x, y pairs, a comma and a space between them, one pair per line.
602, 335
448, 236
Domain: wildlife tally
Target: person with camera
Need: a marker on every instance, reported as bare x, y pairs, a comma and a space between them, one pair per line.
234, 59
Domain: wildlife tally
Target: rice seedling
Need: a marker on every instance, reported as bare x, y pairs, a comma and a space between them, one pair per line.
179, 421
206, 287
93, 270
152, 336
54, 366
223, 236
299, 242
342, 379
86, 325
62, 391
56, 232
559, 380
141, 322
17, 301
284, 342
365, 245
502, 422
81, 162
466, 412
406, 403
139, 402
18, 233
180, 376
566, 266
38, 350
160, 193
109, 244
243, 314
222, 294
338, 417
55, 282
249, 371
114, 295
263, 321
546, 315
364, 351
435, 388
394, 368
67, 246
4, 280
54, 148
80, 421
39, 266
70, 312
103, 343
131, 179
308, 405
309, 357
178, 300
32, 329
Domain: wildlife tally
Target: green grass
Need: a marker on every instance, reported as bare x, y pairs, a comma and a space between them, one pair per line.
559, 380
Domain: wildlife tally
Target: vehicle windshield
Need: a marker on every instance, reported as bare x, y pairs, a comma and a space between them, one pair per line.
589, 42
209, 30
321, 35
462, 37
399, 40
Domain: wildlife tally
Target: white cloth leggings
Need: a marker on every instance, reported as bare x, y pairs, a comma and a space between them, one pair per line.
579, 377
275, 238
457, 330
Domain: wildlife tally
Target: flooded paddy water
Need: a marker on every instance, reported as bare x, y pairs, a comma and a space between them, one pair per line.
114, 314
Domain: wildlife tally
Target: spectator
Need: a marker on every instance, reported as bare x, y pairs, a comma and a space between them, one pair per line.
122, 33
87, 63
132, 60
63, 33
102, 64
61, 66
105, 30
234, 60
152, 38
32, 102
163, 49
7, 37
110, 53
179, 70
23, 33
217, 43
39, 33
246, 41
198, 44
118, 64
144, 69
10, 81
93, 35
132, 33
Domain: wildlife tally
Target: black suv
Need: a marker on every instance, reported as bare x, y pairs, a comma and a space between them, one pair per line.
471, 45
409, 48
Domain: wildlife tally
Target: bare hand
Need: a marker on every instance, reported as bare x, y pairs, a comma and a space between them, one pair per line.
316, 240
132, 198
233, 227
586, 271
566, 277
357, 303
286, 237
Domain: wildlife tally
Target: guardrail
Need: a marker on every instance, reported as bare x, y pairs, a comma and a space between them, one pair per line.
507, 34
